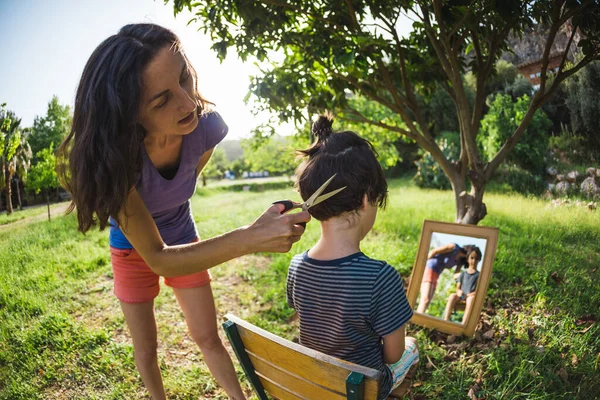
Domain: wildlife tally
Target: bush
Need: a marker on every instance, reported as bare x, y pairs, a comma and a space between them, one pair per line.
502, 120
520, 180
429, 174
568, 148
583, 101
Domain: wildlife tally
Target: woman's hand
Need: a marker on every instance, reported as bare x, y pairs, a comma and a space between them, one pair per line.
276, 232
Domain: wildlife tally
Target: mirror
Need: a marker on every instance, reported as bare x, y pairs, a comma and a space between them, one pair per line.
450, 276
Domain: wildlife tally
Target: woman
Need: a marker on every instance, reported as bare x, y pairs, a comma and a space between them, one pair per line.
441, 258
141, 135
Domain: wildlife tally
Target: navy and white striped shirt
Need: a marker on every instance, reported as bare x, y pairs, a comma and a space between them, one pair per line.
346, 306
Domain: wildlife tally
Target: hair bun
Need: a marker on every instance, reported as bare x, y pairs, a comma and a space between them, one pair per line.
322, 127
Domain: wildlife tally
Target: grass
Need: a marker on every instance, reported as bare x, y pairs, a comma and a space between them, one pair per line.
28, 212
62, 334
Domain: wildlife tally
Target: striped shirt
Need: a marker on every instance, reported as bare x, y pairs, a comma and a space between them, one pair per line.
346, 306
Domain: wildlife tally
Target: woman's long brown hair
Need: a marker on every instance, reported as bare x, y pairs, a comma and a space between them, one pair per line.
100, 160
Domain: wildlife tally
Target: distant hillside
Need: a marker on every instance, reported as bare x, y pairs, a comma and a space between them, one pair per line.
233, 149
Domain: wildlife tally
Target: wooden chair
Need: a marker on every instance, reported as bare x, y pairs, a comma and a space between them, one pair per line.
287, 370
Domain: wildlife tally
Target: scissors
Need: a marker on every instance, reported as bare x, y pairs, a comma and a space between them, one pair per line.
313, 200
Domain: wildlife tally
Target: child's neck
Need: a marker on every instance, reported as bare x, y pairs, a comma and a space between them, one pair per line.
339, 238
471, 270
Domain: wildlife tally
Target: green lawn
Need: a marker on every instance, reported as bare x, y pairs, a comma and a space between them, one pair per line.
28, 212
62, 334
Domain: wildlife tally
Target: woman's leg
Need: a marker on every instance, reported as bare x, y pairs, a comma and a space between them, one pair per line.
142, 326
450, 306
199, 309
427, 289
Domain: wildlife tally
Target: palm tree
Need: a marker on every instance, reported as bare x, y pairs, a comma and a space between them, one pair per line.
21, 164
10, 142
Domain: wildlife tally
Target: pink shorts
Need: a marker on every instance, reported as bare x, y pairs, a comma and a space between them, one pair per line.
431, 276
136, 283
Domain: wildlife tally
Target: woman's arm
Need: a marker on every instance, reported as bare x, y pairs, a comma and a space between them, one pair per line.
393, 346
441, 250
271, 232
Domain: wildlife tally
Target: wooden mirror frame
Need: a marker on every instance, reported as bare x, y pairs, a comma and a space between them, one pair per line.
490, 234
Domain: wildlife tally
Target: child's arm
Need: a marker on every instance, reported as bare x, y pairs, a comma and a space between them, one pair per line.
393, 346
459, 291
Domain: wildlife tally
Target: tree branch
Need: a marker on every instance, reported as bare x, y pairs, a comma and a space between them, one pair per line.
564, 57
424, 142
556, 23
516, 136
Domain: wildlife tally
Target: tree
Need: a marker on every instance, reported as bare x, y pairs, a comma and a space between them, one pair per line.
583, 100
22, 164
15, 154
52, 128
42, 176
216, 166
274, 154
333, 48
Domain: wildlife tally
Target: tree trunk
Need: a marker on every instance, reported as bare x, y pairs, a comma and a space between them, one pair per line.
470, 208
0, 200
19, 195
9, 207
48, 202
203, 180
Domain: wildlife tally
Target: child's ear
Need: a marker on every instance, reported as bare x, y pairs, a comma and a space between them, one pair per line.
365, 203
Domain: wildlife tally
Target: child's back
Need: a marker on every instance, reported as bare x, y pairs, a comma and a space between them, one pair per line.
346, 306
349, 305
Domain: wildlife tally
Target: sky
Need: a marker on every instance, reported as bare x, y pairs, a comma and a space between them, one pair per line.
46, 43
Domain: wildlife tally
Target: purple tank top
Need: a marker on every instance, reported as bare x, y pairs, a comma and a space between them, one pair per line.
445, 260
168, 200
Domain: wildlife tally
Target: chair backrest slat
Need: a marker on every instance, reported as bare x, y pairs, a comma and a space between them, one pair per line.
290, 371
293, 383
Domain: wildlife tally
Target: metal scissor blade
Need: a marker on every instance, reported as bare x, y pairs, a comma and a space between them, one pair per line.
311, 200
326, 196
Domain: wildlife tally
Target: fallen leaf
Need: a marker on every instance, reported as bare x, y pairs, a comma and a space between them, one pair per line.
472, 394
478, 336
574, 360
557, 279
489, 335
585, 330
451, 339
586, 318
562, 373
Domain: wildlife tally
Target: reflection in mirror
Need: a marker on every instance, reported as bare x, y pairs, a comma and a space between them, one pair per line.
449, 281
450, 277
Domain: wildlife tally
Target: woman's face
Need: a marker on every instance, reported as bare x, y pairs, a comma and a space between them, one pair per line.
168, 105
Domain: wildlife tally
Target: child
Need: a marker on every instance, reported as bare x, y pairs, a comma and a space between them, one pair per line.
466, 283
349, 305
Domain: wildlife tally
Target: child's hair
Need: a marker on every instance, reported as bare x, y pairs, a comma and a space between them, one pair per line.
101, 158
353, 160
